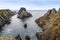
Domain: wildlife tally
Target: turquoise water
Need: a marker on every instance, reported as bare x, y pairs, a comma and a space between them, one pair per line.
16, 26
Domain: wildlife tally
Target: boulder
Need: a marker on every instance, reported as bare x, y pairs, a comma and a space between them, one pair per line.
23, 14
27, 38
50, 23
18, 37
25, 25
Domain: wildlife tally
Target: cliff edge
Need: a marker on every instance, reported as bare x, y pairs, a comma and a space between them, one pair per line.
50, 23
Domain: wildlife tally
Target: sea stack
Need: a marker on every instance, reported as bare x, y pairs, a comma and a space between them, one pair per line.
50, 23
23, 13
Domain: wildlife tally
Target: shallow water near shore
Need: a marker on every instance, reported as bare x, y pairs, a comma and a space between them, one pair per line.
16, 26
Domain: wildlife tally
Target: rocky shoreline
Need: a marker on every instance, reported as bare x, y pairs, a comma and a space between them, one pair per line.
50, 23
5, 15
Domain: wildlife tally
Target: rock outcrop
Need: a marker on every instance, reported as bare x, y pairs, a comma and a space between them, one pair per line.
18, 37
50, 23
8, 38
5, 16
25, 25
23, 13
27, 38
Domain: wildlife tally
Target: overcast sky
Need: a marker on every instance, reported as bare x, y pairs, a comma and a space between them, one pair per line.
29, 4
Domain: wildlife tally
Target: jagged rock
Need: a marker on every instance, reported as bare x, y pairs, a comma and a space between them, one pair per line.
45, 20
50, 23
1, 22
22, 9
18, 37
6, 13
27, 38
25, 25
23, 14
5, 16
39, 35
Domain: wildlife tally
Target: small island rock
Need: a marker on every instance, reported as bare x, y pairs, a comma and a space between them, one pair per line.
23, 13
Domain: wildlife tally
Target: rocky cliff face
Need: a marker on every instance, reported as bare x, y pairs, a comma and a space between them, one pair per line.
4, 16
23, 14
50, 23
6, 13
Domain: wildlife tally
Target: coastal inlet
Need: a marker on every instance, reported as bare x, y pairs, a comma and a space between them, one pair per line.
17, 26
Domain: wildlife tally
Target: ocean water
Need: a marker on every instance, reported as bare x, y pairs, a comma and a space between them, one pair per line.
16, 26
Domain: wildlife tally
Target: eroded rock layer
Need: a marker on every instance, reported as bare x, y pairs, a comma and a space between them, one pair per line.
50, 23
5, 16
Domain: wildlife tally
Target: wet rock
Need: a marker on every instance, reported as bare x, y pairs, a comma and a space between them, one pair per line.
2, 22
50, 23
6, 13
0, 29
39, 35
18, 37
23, 14
25, 25
27, 38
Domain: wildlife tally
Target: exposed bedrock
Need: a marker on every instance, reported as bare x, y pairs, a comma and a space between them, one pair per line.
23, 13
50, 23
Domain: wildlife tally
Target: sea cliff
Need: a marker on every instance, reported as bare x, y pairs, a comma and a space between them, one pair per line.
5, 15
50, 24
